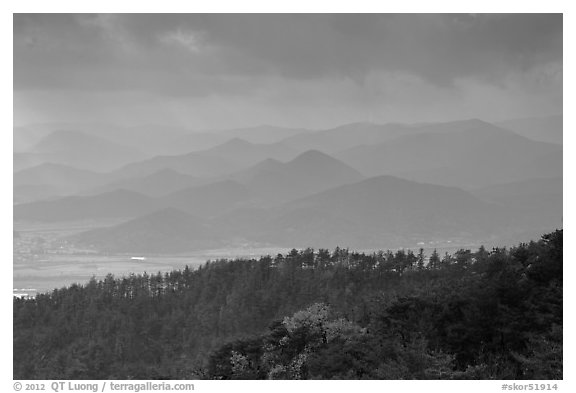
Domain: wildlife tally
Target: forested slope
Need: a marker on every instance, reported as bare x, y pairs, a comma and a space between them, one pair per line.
341, 314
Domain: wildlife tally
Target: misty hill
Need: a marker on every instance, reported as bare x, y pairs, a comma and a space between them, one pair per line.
220, 160
539, 197
245, 153
371, 213
193, 164
63, 178
385, 210
30, 193
479, 172
159, 183
158, 139
22, 161
346, 136
115, 204
246, 175
50, 180
265, 184
437, 148
210, 199
262, 134
192, 141
543, 129
85, 151
25, 137
480, 154
454, 126
151, 139
207, 139
166, 230
182, 141
357, 134
306, 174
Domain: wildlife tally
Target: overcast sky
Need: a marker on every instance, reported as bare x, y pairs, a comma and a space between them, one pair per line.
215, 71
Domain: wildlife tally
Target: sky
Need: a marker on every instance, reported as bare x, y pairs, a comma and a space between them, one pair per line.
297, 70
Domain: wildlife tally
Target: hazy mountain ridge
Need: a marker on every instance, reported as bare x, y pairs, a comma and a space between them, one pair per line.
542, 197
118, 203
160, 183
263, 134
220, 160
543, 129
308, 173
480, 154
369, 213
386, 209
54, 179
166, 230
258, 193
245, 153
346, 136
85, 151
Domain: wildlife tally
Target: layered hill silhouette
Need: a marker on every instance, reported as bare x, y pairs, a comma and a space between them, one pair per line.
542, 129
262, 134
540, 198
160, 183
193, 164
244, 153
220, 160
310, 172
85, 151
266, 184
386, 210
346, 136
359, 185
370, 213
23, 161
114, 204
167, 230
59, 179
30, 193
479, 154
210, 199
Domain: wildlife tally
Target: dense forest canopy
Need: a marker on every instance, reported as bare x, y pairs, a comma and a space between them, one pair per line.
309, 314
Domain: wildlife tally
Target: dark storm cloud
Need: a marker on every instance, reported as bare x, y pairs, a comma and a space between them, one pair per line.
436, 47
140, 51
268, 68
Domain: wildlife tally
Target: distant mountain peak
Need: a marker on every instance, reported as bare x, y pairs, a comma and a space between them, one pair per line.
316, 162
267, 163
312, 155
475, 123
166, 172
236, 141
475, 120
311, 159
